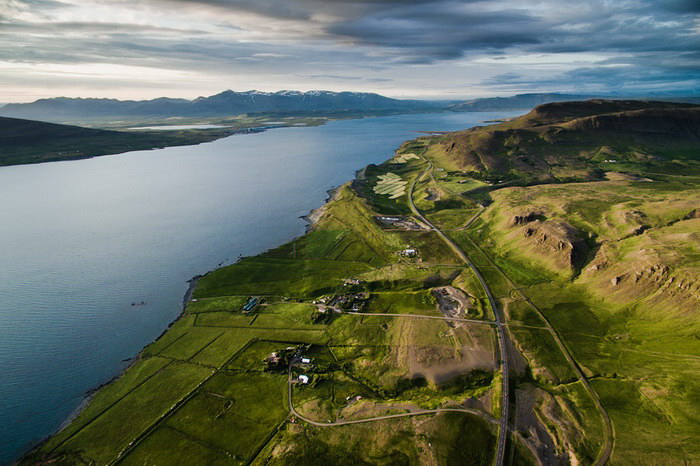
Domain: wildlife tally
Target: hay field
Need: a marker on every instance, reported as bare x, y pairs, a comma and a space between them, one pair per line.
391, 184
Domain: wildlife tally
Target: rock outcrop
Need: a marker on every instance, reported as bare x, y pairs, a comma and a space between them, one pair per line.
526, 218
645, 276
564, 246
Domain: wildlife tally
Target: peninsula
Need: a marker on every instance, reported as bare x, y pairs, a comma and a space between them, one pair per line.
519, 293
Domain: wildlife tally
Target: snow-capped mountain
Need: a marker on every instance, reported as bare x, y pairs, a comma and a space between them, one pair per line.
223, 104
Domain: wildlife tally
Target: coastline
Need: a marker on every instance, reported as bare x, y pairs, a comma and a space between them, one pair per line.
315, 215
90, 393
311, 218
191, 285
197, 137
211, 135
202, 138
224, 340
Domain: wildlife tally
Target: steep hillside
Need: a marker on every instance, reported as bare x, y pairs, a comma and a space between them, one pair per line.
19, 131
615, 267
527, 101
579, 140
27, 141
516, 102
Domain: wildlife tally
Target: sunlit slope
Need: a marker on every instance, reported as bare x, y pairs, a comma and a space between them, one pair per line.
576, 141
622, 267
613, 264
596, 283
203, 394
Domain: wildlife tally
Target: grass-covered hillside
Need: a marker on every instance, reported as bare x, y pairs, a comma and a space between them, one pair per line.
28, 141
627, 307
613, 264
576, 141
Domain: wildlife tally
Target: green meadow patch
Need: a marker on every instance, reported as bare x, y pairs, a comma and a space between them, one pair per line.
263, 276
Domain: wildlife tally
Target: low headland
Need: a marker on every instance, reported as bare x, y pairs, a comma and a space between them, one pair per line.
28, 141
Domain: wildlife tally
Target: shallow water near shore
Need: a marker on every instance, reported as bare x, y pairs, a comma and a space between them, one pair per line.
95, 254
175, 127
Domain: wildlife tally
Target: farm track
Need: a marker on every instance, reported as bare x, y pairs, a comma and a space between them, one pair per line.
421, 316
422, 412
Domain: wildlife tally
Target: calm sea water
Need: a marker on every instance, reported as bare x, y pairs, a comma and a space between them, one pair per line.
175, 127
81, 241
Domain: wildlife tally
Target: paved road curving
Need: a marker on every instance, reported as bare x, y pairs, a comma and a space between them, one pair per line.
500, 324
505, 399
606, 450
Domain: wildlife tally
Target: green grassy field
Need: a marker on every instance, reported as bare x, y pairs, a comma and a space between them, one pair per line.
420, 302
446, 439
634, 341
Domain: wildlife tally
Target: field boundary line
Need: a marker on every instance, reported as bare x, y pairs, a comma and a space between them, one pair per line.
205, 346
170, 361
144, 434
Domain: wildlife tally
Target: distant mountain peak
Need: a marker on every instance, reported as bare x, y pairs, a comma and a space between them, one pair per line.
226, 103
288, 92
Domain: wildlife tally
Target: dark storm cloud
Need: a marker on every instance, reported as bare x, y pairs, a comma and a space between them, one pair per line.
426, 31
150, 46
429, 31
104, 28
630, 42
609, 80
680, 6
295, 9
427, 34
420, 31
32, 4
10, 8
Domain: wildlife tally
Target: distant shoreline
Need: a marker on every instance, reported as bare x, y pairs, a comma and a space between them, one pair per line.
61, 142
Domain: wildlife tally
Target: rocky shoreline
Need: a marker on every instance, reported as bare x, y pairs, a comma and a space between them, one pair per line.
315, 215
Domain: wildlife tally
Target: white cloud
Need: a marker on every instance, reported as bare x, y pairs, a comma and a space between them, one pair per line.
148, 48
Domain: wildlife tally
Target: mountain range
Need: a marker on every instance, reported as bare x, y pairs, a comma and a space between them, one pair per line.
223, 104
281, 103
516, 102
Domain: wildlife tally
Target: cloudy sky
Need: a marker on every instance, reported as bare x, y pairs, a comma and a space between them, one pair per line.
401, 48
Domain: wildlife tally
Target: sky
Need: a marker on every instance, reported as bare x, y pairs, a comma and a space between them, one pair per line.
439, 49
